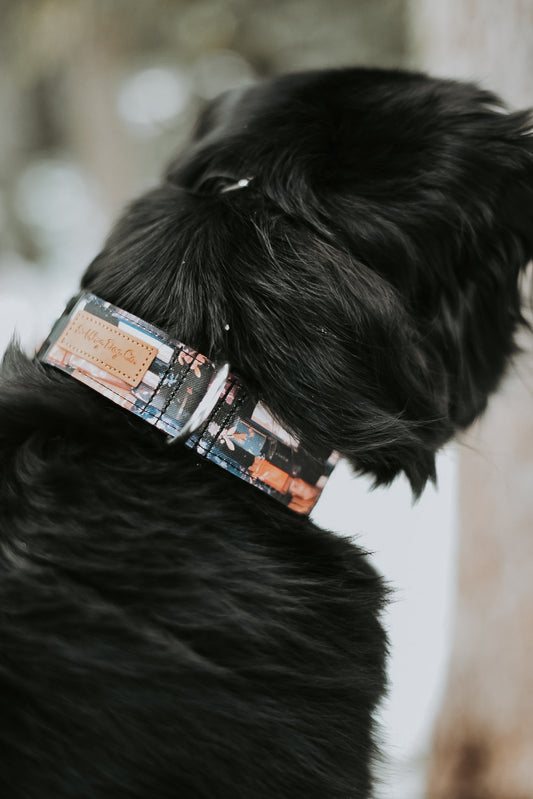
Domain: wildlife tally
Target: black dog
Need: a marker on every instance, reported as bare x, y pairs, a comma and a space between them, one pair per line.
351, 242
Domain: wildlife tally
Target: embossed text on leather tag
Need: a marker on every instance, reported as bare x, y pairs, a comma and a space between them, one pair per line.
107, 347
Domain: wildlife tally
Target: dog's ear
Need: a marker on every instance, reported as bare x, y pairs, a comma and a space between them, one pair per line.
517, 201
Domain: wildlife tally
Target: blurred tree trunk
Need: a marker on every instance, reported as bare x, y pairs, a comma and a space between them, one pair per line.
483, 746
91, 121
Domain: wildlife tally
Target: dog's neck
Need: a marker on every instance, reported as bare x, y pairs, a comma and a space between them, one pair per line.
184, 394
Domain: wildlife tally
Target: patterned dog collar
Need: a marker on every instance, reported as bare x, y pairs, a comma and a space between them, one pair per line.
184, 394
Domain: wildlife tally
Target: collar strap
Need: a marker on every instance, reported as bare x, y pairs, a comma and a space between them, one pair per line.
181, 392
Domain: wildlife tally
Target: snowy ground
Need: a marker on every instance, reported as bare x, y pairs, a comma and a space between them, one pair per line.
413, 546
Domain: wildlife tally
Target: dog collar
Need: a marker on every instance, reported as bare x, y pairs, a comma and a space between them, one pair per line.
181, 392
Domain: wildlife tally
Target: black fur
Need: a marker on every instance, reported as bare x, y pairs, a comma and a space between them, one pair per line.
167, 630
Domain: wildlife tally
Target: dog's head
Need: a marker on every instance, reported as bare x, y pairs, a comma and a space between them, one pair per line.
362, 234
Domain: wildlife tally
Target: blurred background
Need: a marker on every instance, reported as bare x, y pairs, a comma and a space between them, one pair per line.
95, 97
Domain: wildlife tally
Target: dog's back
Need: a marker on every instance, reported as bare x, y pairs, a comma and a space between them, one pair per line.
167, 630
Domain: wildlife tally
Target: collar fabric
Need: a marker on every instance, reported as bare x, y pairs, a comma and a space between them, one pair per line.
139, 367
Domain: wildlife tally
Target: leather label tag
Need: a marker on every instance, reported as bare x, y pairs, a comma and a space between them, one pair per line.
107, 347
